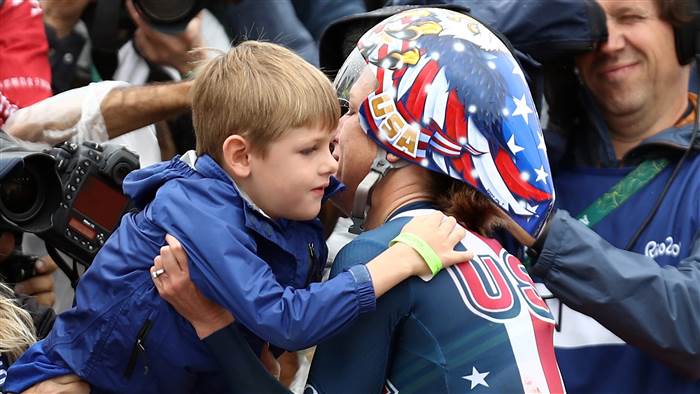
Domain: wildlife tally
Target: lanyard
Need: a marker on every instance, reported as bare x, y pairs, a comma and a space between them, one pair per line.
624, 189
618, 194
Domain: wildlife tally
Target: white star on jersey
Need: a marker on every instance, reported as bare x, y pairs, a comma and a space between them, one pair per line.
477, 378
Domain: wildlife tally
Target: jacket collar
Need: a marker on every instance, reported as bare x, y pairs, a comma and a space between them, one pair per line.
595, 147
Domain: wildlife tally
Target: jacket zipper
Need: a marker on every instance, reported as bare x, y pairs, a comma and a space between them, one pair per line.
139, 347
313, 265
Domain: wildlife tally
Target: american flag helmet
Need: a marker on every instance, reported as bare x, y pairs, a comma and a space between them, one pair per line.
451, 97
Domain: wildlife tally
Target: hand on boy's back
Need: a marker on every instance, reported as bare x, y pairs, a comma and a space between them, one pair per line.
176, 287
442, 233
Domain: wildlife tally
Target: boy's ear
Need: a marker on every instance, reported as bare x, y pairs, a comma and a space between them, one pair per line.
236, 156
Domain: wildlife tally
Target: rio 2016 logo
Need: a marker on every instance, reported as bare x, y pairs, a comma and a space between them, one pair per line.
655, 249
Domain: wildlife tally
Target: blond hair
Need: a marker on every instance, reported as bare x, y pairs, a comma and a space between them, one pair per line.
16, 327
258, 90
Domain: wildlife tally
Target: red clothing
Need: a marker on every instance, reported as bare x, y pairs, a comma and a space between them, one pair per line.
25, 74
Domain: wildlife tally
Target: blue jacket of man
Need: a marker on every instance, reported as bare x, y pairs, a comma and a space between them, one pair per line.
122, 337
648, 296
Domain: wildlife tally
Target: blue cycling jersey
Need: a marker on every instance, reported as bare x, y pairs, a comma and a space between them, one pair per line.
477, 326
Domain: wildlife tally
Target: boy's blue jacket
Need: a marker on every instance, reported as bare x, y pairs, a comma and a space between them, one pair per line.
122, 337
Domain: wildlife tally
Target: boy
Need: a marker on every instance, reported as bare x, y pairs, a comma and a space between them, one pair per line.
243, 207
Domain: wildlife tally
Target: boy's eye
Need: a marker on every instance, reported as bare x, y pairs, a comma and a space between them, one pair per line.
308, 151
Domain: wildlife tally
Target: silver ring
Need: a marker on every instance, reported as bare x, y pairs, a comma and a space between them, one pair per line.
155, 274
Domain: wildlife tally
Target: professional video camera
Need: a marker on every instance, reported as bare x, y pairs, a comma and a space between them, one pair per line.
69, 195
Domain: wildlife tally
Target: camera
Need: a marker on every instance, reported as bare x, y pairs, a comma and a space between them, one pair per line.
169, 16
69, 195
17, 267
109, 25
92, 202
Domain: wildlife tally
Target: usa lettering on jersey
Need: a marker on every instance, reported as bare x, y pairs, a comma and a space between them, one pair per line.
495, 286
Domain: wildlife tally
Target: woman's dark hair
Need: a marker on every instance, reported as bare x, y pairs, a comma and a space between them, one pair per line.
471, 209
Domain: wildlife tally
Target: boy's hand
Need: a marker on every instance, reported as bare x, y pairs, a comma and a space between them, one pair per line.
171, 275
442, 234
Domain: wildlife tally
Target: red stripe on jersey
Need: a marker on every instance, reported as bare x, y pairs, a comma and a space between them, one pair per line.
492, 243
544, 337
426, 76
511, 175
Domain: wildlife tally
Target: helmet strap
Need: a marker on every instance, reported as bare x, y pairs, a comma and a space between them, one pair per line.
363, 196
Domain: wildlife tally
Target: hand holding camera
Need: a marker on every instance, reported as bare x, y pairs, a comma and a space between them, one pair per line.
29, 274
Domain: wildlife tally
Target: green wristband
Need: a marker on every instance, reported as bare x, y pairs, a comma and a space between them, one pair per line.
424, 250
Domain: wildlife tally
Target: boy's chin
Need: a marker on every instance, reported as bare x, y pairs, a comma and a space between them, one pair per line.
309, 214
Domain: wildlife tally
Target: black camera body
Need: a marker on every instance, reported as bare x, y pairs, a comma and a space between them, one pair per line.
17, 267
92, 202
69, 195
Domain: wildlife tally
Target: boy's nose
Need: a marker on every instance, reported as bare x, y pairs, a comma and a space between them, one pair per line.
330, 164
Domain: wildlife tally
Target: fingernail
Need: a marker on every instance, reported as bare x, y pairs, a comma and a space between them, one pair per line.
40, 265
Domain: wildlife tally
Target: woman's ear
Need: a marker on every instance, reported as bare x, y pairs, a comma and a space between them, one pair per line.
236, 156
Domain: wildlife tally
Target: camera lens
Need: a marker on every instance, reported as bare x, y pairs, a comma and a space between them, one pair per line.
21, 195
166, 11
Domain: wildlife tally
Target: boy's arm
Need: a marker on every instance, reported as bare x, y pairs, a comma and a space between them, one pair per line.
356, 360
226, 268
